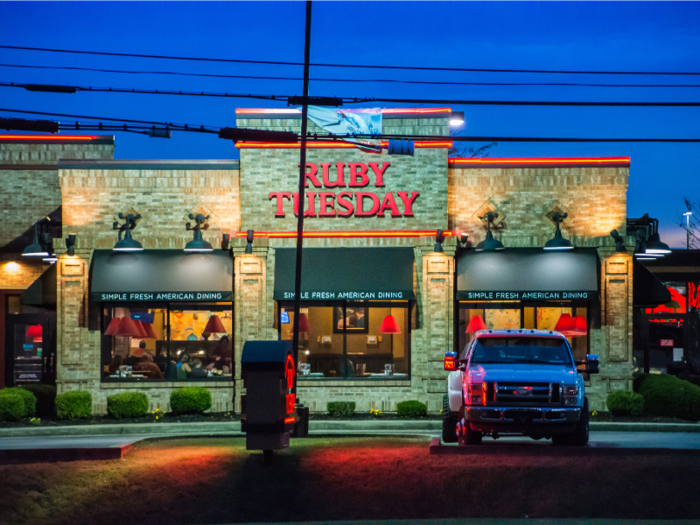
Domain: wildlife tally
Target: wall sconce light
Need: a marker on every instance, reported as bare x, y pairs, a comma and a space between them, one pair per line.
36, 248
439, 239
70, 244
198, 244
619, 244
489, 244
127, 244
250, 235
558, 242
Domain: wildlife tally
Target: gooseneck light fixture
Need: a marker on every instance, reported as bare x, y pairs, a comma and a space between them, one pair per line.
36, 248
198, 244
648, 243
558, 242
489, 244
127, 244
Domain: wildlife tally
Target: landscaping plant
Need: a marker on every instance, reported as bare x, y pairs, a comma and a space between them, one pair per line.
341, 408
27, 398
375, 413
624, 403
74, 405
669, 396
411, 409
190, 400
11, 407
45, 399
127, 405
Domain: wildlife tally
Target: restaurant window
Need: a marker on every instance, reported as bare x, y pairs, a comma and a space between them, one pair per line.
173, 342
569, 318
349, 340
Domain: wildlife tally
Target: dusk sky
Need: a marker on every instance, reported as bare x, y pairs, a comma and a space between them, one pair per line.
628, 36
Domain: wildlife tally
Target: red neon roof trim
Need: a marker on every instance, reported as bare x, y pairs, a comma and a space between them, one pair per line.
347, 234
551, 160
294, 111
329, 145
47, 137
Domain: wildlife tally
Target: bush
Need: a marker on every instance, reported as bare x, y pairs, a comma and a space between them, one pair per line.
341, 408
45, 399
190, 400
26, 396
411, 408
127, 405
74, 405
11, 407
623, 403
669, 396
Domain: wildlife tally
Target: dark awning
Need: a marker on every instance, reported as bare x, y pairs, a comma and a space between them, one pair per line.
41, 292
161, 276
339, 274
648, 290
528, 274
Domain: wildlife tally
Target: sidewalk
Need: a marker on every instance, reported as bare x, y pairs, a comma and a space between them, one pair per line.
317, 427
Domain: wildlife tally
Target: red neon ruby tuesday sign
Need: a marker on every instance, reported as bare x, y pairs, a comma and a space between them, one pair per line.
353, 176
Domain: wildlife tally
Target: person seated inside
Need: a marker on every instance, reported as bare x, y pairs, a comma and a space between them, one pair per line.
148, 368
221, 355
117, 361
197, 370
183, 367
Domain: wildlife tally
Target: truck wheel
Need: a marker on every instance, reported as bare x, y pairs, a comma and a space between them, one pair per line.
468, 436
579, 437
449, 422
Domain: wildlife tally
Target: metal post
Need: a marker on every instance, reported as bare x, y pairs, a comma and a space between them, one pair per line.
302, 196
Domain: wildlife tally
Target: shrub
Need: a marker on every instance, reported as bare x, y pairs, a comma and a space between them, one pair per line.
669, 396
45, 399
341, 408
11, 407
190, 400
27, 397
411, 408
127, 405
623, 403
74, 405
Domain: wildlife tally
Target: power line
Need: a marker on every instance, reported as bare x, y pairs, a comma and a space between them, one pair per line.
348, 100
352, 80
354, 66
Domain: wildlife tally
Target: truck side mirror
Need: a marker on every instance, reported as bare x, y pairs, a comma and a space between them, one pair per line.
451, 361
592, 361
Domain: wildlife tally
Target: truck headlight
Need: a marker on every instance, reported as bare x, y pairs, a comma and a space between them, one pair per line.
570, 390
477, 394
570, 400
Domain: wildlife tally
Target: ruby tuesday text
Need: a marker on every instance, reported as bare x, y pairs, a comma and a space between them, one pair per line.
346, 203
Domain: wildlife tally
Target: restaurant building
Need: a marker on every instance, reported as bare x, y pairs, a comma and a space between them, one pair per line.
382, 298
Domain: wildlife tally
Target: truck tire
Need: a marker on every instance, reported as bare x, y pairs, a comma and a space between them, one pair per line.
449, 422
469, 436
579, 437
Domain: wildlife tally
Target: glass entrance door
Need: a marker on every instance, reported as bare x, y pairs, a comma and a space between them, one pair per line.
29, 349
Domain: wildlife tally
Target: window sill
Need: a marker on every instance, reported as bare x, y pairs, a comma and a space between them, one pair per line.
156, 383
354, 381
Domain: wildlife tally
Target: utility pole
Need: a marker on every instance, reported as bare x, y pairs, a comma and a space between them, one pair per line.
302, 196
687, 229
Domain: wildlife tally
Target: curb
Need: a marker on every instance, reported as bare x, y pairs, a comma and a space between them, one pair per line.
315, 427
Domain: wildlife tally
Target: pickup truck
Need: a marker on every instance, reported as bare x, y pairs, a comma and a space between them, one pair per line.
516, 382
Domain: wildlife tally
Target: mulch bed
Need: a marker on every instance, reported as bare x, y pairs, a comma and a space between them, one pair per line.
212, 417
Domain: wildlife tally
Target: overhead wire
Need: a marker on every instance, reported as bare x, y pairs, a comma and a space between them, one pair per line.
350, 80
352, 66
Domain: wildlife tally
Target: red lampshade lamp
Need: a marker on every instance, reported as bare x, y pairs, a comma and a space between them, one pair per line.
127, 328
214, 326
141, 329
389, 326
476, 323
565, 324
35, 332
151, 333
580, 327
113, 325
304, 326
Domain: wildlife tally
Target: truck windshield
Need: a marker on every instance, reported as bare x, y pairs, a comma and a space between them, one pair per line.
529, 350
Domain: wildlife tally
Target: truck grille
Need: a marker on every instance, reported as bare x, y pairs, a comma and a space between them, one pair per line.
516, 393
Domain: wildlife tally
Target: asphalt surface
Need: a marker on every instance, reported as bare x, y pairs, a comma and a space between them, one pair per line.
663, 440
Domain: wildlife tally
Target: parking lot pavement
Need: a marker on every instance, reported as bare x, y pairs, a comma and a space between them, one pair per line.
36, 443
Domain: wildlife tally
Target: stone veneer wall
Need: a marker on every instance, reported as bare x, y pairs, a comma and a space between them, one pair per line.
92, 198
